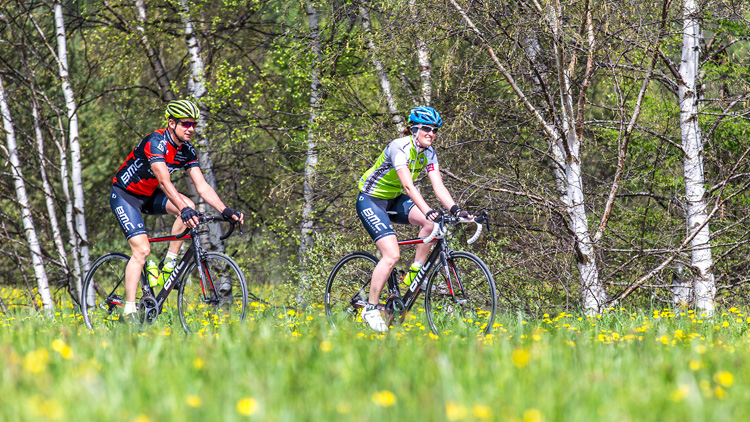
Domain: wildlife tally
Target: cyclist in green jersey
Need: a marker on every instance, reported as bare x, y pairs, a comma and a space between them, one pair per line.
387, 194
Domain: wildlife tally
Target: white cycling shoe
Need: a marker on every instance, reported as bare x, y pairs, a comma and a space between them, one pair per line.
375, 320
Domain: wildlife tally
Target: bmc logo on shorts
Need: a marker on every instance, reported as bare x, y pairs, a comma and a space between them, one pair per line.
373, 219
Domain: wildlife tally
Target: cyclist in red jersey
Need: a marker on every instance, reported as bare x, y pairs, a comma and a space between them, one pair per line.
142, 185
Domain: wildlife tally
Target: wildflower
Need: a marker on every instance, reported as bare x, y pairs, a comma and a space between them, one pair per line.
455, 411
193, 401
63, 349
533, 415
247, 406
695, 365
482, 412
198, 363
724, 378
384, 398
520, 358
680, 393
326, 346
35, 361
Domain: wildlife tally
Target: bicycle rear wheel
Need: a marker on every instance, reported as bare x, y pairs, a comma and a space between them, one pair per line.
348, 287
219, 299
467, 304
103, 291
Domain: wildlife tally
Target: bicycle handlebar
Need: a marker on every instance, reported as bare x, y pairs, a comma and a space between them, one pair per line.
205, 218
438, 232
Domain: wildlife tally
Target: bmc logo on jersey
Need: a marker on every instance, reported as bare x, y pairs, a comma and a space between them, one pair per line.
131, 170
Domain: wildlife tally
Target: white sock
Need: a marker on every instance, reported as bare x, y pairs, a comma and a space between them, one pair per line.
170, 259
129, 308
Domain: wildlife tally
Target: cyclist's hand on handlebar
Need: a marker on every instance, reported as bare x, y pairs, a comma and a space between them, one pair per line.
229, 213
189, 217
457, 212
431, 215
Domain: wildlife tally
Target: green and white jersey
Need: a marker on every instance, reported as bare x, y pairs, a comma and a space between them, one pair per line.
381, 180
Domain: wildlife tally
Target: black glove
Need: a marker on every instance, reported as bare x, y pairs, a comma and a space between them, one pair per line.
228, 213
187, 214
457, 212
430, 213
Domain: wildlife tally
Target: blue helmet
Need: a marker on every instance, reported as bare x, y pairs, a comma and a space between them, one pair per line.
426, 116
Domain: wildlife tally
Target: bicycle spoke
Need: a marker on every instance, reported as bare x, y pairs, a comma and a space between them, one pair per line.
464, 300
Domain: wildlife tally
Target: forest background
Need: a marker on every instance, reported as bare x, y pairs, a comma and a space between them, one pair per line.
606, 139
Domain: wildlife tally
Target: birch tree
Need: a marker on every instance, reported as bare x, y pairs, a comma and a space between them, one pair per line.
380, 71
197, 89
692, 146
73, 138
23, 200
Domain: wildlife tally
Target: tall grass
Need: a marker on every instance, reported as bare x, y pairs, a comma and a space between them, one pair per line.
285, 366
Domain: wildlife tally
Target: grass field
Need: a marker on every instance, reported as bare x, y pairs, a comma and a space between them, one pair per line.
279, 365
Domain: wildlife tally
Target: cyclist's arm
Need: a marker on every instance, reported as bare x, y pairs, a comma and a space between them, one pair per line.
441, 191
207, 192
165, 183
404, 175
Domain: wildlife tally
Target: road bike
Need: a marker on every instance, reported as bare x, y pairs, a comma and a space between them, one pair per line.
460, 296
211, 287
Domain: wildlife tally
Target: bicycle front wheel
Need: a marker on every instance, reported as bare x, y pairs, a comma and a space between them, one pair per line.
103, 291
217, 299
461, 300
348, 287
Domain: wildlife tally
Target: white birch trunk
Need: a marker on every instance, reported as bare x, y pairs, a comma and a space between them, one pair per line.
23, 200
385, 84
49, 200
75, 147
197, 89
692, 144
311, 162
423, 58
162, 79
565, 148
69, 217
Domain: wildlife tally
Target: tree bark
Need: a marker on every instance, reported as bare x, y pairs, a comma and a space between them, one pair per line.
385, 84
75, 146
23, 200
311, 160
692, 144
197, 89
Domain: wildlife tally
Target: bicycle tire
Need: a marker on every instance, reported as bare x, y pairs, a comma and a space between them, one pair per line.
445, 312
222, 301
105, 283
348, 282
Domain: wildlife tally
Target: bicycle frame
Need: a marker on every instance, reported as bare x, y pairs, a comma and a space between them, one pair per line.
194, 254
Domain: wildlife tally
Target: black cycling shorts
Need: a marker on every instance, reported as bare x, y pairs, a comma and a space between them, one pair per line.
128, 209
376, 214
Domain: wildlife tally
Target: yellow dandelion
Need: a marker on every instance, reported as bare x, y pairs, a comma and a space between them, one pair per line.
193, 401
721, 394
343, 408
520, 358
141, 418
63, 349
724, 378
35, 361
198, 363
680, 393
326, 346
482, 412
384, 398
695, 365
247, 406
533, 415
455, 411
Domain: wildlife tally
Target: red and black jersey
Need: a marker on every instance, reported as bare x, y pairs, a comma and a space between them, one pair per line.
135, 174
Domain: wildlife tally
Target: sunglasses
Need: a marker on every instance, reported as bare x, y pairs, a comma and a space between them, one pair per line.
428, 129
185, 124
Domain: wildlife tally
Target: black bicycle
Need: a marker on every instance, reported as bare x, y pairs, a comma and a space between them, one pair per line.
211, 287
460, 290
